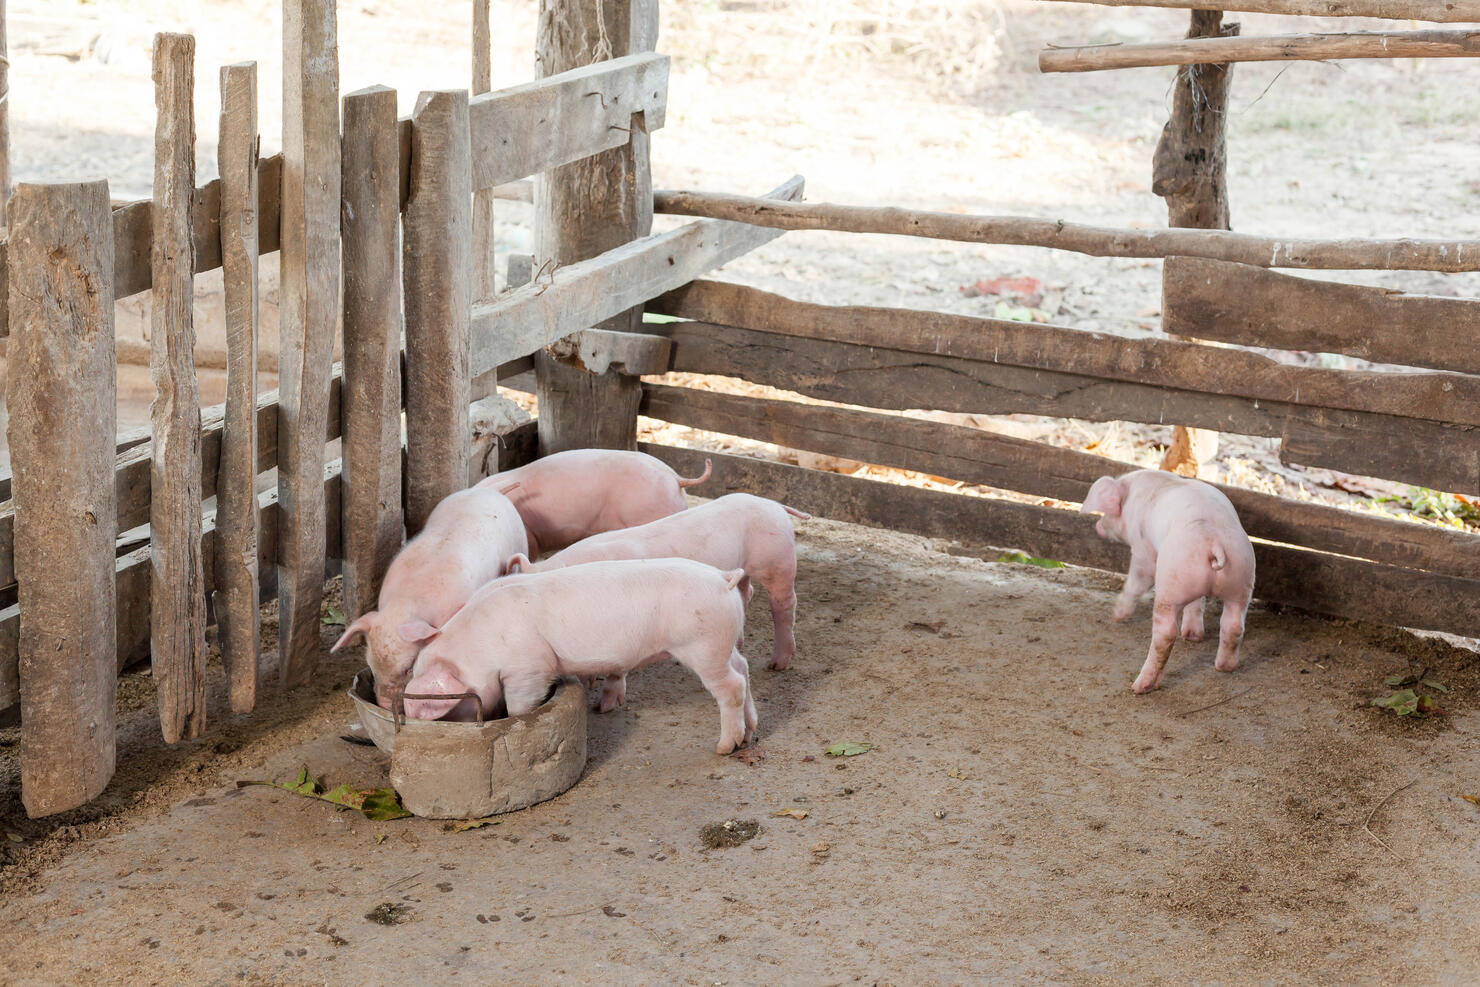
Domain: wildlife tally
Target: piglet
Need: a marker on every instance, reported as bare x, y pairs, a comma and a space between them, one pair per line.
1186, 539
571, 495
736, 531
467, 539
519, 635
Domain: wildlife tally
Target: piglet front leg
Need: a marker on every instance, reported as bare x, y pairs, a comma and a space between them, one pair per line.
1140, 578
1192, 620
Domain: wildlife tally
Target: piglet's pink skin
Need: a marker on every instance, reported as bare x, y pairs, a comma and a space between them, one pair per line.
571, 495
1185, 539
467, 539
736, 531
520, 634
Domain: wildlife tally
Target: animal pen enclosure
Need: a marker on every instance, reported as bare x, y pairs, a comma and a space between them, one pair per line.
396, 211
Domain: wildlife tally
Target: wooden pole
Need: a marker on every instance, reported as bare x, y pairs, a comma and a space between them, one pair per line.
1401, 10
1276, 48
1190, 171
483, 198
370, 407
4, 116
309, 320
1448, 256
235, 556
436, 265
584, 209
62, 385
177, 620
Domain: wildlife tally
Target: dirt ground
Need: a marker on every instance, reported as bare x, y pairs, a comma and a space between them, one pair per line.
1023, 817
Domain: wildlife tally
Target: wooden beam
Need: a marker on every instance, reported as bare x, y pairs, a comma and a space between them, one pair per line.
235, 558
1401, 10
371, 511
61, 382
893, 378
1438, 397
4, 122
1236, 303
1449, 256
437, 268
484, 264
976, 456
177, 623
528, 129
1342, 587
1447, 43
310, 314
583, 294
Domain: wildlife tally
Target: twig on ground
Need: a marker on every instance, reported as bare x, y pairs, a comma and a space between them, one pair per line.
1226, 699
1379, 805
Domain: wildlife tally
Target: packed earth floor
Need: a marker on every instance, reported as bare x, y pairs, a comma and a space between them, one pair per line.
1022, 817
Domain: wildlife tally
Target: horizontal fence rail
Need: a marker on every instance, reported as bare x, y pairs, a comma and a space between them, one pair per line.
1402, 10
1278, 48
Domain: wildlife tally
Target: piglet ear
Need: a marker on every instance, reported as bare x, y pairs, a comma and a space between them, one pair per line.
417, 632
1104, 497
361, 625
518, 562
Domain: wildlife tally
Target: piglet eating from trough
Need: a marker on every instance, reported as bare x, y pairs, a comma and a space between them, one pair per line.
466, 541
571, 495
736, 531
519, 635
1185, 539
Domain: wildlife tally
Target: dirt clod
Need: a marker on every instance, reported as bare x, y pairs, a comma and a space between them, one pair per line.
731, 832
389, 913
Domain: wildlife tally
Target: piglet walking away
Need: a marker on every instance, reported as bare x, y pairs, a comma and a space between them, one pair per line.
467, 539
736, 531
571, 495
1186, 539
518, 635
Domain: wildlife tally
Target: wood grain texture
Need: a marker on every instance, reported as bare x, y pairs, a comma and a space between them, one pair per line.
62, 388
895, 378
1250, 306
235, 550
177, 623
1403, 10
1342, 587
1439, 43
309, 319
584, 294
371, 404
1450, 256
4, 118
436, 265
483, 199
976, 456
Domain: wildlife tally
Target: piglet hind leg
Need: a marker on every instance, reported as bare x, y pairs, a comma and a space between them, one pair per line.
740, 665
1163, 634
1140, 578
1192, 620
1231, 633
782, 591
730, 690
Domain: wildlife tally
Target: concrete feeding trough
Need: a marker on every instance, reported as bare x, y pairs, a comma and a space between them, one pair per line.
447, 770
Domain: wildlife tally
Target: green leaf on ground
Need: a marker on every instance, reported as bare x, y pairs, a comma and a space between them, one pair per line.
1408, 703
378, 804
467, 824
848, 750
333, 617
1436, 686
1398, 681
1023, 558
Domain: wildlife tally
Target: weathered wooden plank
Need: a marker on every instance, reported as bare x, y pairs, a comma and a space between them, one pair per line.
1447, 43
976, 456
583, 294
178, 613
1236, 303
371, 511
528, 129
1439, 397
1450, 256
62, 389
4, 119
1403, 10
880, 377
309, 320
235, 552
436, 264
1190, 171
483, 198
1330, 584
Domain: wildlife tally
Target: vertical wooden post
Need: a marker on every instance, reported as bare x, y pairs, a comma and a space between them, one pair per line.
584, 209
177, 608
370, 406
483, 266
4, 116
62, 383
436, 266
1189, 170
236, 478
309, 319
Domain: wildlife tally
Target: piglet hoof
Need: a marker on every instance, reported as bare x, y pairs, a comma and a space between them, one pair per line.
1143, 685
779, 662
726, 747
1226, 664
1192, 634
1122, 613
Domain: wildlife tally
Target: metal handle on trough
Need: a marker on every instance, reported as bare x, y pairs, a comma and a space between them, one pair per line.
398, 703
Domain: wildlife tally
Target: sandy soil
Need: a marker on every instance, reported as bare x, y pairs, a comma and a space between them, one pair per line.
1024, 817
